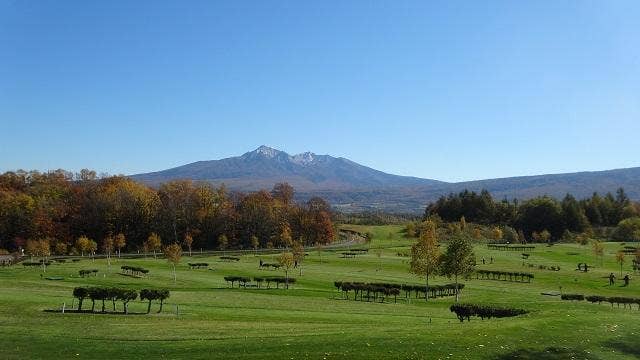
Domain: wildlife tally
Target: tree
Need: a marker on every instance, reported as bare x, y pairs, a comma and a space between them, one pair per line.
463, 223
153, 243
223, 242
620, 260
173, 253
188, 241
283, 192
496, 234
92, 247
61, 248
286, 262
255, 243
319, 249
545, 236
458, 260
410, 230
107, 246
285, 235
83, 244
598, 250
80, 293
298, 254
120, 242
425, 254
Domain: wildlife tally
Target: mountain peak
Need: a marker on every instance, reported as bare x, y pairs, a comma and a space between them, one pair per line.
267, 151
304, 158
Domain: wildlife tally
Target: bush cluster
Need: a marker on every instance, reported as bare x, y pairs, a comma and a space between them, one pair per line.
507, 247
504, 275
134, 270
466, 311
229, 258
545, 267
198, 265
88, 272
274, 266
617, 300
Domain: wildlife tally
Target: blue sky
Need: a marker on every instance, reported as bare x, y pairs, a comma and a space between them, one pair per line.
451, 90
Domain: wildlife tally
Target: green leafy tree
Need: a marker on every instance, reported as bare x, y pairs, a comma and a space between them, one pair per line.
458, 260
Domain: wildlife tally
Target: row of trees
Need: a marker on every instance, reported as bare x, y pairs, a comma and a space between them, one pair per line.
538, 214
119, 214
466, 311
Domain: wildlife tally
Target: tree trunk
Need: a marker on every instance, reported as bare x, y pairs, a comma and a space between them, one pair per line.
103, 309
161, 302
149, 306
457, 294
174, 273
80, 304
93, 305
426, 294
286, 279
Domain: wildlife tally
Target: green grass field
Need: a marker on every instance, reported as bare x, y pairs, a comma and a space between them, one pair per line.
311, 320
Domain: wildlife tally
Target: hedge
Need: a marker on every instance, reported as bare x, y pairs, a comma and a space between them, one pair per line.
88, 272
504, 275
229, 258
366, 289
507, 247
244, 281
618, 300
134, 270
465, 311
198, 265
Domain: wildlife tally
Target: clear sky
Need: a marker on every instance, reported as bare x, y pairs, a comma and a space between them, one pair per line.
451, 90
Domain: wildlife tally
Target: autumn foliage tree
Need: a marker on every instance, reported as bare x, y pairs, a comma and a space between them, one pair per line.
425, 254
173, 253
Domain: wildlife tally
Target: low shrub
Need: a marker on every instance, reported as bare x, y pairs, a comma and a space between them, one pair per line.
466, 311
572, 297
229, 258
88, 272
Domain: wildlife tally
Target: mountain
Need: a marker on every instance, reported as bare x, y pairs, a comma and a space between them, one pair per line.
352, 187
306, 172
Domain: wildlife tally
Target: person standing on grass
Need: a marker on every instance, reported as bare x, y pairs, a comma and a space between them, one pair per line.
612, 279
626, 280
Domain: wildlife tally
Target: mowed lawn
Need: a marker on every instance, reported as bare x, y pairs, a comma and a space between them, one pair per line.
311, 320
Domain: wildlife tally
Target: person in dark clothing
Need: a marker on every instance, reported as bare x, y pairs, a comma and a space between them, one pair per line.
626, 279
612, 279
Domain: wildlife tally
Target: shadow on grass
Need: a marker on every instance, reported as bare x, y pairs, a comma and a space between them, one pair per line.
550, 353
627, 345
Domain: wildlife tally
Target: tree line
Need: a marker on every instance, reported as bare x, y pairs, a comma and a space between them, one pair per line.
116, 213
539, 214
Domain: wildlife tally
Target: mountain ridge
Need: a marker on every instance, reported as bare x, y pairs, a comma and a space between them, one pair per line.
352, 187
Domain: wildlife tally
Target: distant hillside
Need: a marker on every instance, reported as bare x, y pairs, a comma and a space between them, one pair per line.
352, 187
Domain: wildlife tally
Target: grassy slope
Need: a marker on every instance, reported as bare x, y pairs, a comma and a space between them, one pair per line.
312, 321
